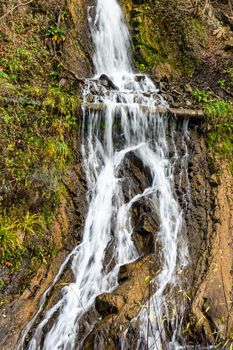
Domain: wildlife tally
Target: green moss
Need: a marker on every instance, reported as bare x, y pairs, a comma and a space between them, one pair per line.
60, 101
145, 38
164, 32
151, 49
199, 32
7, 88
189, 65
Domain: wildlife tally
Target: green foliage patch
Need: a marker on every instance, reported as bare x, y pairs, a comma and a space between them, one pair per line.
36, 150
38, 118
220, 117
163, 32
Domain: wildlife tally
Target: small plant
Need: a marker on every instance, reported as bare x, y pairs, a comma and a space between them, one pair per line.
4, 75
63, 150
9, 239
142, 67
202, 95
222, 84
213, 106
29, 223
23, 53
56, 35
12, 235
2, 284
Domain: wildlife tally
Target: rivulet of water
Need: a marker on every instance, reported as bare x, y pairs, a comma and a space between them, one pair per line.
132, 105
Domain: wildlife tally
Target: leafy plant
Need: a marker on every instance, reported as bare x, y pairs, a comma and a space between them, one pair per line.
219, 108
56, 34
3, 75
30, 222
222, 84
202, 95
9, 237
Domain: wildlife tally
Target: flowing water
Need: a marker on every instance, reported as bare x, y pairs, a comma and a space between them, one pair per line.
128, 122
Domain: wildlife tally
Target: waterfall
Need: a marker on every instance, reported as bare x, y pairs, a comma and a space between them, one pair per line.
128, 123
111, 39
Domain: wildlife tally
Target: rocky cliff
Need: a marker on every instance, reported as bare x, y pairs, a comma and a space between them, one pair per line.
186, 46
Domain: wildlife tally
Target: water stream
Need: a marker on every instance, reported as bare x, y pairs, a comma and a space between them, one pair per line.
128, 124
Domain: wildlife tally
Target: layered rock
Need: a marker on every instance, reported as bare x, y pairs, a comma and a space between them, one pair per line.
121, 306
213, 301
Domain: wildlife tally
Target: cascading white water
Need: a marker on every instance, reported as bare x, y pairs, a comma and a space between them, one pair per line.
111, 39
144, 133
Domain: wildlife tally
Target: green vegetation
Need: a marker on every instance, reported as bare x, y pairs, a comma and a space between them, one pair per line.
12, 234
38, 118
226, 82
162, 33
220, 113
199, 31
36, 150
56, 33
56, 37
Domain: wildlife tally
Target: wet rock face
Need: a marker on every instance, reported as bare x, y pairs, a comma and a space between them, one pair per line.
135, 179
145, 223
121, 306
193, 191
107, 82
198, 217
192, 179
106, 304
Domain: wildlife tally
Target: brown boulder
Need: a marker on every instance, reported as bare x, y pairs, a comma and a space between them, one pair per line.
107, 304
125, 303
